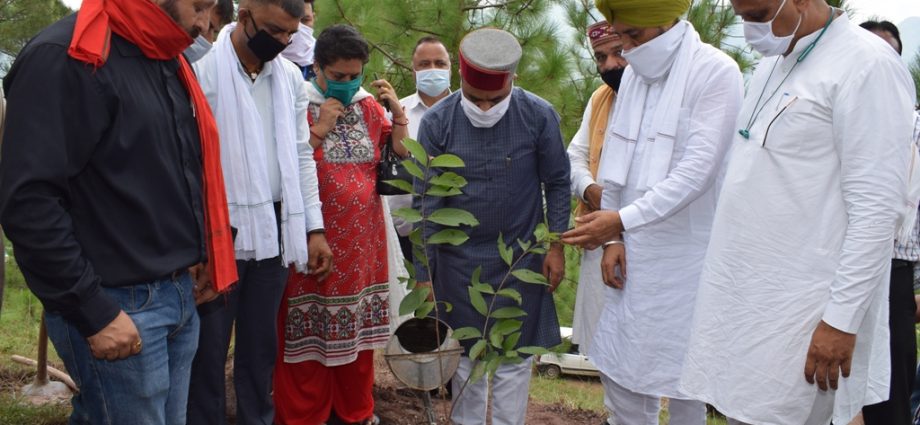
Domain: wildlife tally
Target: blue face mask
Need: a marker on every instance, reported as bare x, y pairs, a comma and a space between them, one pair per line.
341, 90
432, 82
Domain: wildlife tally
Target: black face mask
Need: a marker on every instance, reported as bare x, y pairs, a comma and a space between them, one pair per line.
613, 77
263, 45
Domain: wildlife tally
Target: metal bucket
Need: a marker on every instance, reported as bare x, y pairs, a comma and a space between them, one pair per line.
416, 358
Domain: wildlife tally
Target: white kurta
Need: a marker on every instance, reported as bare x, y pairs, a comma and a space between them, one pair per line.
642, 336
804, 230
589, 297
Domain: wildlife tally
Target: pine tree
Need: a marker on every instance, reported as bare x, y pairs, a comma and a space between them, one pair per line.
20, 20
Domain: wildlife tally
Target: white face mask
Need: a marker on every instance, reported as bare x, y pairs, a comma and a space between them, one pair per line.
198, 49
760, 35
653, 59
432, 82
485, 119
300, 51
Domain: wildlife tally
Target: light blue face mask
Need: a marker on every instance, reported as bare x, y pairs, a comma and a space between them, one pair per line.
198, 49
341, 90
432, 82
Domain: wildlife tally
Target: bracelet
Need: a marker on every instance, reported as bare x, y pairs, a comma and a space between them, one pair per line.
317, 136
617, 242
403, 124
320, 231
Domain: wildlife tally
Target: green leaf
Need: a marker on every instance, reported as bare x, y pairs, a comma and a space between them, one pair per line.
443, 191
452, 217
448, 307
477, 349
468, 332
410, 268
541, 232
479, 370
530, 276
448, 236
417, 150
401, 184
413, 300
408, 214
415, 236
484, 288
524, 245
447, 161
508, 313
533, 350
506, 253
511, 341
449, 179
538, 250
479, 303
506, 327
510, 293
413, 168
476, 274
493, 363
495, 339
424, 309
510, 354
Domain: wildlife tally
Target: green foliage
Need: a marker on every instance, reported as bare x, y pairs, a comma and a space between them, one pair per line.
20, 20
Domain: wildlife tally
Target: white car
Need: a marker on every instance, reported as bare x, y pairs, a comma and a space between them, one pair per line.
570, 362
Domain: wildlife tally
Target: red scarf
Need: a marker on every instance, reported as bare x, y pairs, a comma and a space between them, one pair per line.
148, 27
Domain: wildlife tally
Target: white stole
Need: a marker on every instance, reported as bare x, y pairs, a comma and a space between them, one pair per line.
675, 50
243, 157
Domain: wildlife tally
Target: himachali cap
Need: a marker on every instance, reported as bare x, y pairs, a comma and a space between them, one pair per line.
488, 58
601, 32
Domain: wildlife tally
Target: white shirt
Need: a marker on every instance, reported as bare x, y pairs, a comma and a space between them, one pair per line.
804, 230
579, 152
642, 336
415, 109
261, 91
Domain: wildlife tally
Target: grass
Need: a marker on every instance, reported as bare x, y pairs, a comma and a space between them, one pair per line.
20, 319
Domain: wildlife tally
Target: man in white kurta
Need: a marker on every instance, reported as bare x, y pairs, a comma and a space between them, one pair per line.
794, 285
660, 166
584, 156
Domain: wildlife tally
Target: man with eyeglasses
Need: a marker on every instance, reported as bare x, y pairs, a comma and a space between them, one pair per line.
259, 100
661, 167
792, 311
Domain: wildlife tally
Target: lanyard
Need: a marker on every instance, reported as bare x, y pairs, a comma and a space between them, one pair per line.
758, 108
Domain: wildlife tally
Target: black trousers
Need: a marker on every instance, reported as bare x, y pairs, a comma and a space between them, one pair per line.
902, 310
253, 305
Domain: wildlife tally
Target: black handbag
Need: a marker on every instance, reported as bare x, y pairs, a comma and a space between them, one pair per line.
391, 168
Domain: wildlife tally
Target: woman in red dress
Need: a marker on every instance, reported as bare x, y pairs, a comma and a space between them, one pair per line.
331, 326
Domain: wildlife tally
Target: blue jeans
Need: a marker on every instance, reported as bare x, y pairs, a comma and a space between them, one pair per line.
150, 388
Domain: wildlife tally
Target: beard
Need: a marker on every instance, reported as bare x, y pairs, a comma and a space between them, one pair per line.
171, 7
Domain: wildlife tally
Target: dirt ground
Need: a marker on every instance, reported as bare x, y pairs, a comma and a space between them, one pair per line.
397, 406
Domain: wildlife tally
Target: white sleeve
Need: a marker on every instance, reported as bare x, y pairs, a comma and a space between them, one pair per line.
578, 151
872, 144
309, 184
711, 127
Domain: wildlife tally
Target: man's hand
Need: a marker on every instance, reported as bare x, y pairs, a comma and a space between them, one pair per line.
320, 256
202, 289
329, 113
614, 256
829, 355
593, 196
594, 229
554, 266
118, 340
